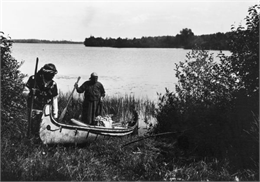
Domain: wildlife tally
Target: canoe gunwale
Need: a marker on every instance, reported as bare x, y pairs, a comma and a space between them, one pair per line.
99, 130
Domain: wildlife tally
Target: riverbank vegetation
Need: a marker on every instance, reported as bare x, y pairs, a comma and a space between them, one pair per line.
215, 106
212, 121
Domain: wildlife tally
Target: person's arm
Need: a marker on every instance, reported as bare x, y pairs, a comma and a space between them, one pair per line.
28, 89
50, 92
35, 91
80, 89
103, 93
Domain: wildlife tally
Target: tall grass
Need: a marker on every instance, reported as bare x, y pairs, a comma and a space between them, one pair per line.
122, 108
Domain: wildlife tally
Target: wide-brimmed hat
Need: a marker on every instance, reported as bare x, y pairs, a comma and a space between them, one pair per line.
49, 68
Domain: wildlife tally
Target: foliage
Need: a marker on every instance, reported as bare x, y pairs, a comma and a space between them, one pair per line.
216, 105
201, 79
244, 62
12, 99
168, 113
244, 45
185, 37
203, 97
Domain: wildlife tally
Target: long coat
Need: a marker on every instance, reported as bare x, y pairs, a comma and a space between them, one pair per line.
92, 105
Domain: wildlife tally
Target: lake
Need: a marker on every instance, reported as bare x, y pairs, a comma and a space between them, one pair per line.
140, 72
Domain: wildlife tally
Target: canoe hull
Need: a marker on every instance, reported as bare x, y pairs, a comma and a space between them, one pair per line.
53, 132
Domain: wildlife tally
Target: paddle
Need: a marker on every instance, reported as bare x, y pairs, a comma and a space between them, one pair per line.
31, 108
65, 109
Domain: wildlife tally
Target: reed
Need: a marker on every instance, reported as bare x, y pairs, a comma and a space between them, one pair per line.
121, 108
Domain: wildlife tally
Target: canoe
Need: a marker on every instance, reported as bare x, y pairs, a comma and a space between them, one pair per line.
53, 132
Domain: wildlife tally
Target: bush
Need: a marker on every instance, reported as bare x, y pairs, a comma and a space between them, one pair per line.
13, 107
244, 115
244, 45
215, 107
12, 98
202, 99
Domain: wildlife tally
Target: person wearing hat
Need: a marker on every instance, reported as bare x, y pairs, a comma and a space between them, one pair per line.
94, 92
45, 91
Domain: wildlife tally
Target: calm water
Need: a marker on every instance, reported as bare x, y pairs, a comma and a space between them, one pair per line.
133, 71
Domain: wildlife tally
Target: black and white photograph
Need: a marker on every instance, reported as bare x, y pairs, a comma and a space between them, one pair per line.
129, 90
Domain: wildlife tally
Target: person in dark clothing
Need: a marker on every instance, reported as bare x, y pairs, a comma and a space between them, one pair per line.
94, 92
45, 91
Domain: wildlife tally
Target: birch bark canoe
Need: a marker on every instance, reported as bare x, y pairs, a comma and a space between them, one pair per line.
53, 132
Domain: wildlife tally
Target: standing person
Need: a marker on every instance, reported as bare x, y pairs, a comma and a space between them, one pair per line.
94, 93
45, 91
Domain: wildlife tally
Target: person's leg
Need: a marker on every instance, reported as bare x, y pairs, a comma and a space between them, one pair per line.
35, 122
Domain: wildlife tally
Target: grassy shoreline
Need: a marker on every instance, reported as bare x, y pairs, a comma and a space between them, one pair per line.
152, 159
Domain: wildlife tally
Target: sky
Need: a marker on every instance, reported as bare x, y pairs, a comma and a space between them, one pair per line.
75, 20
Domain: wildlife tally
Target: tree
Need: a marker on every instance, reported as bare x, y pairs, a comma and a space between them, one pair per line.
202, 79
185, 37
205, 93
244, 63
244, 45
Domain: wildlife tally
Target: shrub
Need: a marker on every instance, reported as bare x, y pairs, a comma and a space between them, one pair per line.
13, 107
202, 99
12, 98
244, 45
215, 102
244, 116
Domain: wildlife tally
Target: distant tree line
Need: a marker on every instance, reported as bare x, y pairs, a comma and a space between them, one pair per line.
44, 41
185, 39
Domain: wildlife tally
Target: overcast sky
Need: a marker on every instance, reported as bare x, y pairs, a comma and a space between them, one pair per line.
79, 19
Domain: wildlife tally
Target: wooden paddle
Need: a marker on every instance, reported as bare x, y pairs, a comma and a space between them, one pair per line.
31, 108
65, 109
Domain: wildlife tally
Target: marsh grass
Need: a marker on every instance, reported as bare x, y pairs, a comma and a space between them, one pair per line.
121, 108
153, 159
